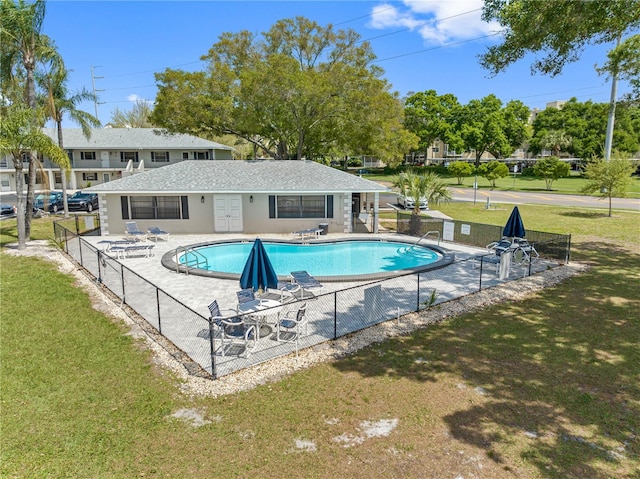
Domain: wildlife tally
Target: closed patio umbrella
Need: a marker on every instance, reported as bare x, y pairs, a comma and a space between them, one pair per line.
514, 228
258, 273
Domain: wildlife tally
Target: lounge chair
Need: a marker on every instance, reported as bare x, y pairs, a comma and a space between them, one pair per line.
132, 232
306, 281
156, 233
307, 234
132, 249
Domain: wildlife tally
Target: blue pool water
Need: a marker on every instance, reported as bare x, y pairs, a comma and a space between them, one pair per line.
325, 259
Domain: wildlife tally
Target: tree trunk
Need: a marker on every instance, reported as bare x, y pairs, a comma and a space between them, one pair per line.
63, 173
415, 222
20, 207
31, 187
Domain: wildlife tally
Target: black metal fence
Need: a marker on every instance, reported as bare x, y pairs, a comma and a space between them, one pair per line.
330, 315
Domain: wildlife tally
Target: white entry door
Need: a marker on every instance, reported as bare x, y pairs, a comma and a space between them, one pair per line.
227, 213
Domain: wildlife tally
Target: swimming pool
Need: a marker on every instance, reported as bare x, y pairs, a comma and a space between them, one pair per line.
327, 261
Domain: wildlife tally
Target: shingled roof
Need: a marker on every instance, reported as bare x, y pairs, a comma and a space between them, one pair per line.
132, 138
234, 176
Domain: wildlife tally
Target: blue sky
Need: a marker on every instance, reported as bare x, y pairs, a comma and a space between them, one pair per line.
421, 45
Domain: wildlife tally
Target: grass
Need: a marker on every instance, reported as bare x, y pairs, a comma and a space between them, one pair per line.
547, 387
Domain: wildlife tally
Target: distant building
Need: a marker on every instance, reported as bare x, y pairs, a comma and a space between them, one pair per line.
113, 153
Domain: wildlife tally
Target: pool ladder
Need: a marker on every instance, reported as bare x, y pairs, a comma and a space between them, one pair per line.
437, 233
199, 260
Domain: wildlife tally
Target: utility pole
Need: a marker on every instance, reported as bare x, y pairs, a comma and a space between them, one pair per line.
608, 140
93, 84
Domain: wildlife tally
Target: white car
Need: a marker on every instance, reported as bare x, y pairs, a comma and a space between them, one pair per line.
407, 202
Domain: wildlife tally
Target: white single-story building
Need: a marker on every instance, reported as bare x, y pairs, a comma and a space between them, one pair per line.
224, 196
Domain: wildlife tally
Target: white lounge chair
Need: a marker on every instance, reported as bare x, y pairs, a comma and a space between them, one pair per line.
156, 233
132, 232
306, 281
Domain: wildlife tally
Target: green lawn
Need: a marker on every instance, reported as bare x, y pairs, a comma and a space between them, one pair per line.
547, 387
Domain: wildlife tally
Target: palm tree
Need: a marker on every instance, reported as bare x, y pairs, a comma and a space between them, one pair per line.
421, 185
20, 134
22, 47
60, 102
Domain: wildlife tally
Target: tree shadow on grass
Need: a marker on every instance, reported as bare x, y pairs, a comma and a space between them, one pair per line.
557, 372
585, 214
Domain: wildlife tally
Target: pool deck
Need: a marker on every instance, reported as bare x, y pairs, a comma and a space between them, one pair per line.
198, 291
187, 330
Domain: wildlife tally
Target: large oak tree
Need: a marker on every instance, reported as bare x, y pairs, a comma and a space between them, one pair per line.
299, 90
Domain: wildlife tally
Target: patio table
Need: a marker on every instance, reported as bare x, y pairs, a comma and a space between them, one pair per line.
260, 309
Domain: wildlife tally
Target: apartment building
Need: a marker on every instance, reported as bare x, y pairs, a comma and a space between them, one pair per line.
113, 153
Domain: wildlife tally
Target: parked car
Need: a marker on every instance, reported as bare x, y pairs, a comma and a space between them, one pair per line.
407, 202
80, 201
54, 201
363, 172
8, 211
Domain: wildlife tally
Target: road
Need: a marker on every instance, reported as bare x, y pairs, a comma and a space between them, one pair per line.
520, 197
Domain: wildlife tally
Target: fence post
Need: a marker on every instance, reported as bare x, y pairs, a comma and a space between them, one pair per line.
335, 315
77, 226
99, 268
122, 278
213, 350
480, 282
158, 304
568, 250
418, 293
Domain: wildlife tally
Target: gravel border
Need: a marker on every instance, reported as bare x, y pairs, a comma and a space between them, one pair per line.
194, 381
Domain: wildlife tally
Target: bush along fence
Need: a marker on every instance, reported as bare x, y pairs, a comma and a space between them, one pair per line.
329, 316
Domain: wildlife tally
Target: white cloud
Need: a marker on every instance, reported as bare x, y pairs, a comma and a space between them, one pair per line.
133, 98
437, 21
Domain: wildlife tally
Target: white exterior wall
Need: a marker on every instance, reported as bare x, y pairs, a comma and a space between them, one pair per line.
255, 216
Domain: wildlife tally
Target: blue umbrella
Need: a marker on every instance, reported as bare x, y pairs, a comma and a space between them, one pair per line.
514, 227
258, 273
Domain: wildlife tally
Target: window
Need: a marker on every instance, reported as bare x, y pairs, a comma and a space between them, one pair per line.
157, 207
89, 176
125, 156
3, 162
185, 155
301, 207
160, 156
201, 155
87, 155
435, 149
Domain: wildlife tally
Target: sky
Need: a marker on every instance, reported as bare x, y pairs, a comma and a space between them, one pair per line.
115, 47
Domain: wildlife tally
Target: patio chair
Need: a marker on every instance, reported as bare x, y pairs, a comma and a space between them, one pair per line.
245, 295
288, 290
156, 233
291, 325
306, 281
132, 232
232, 330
